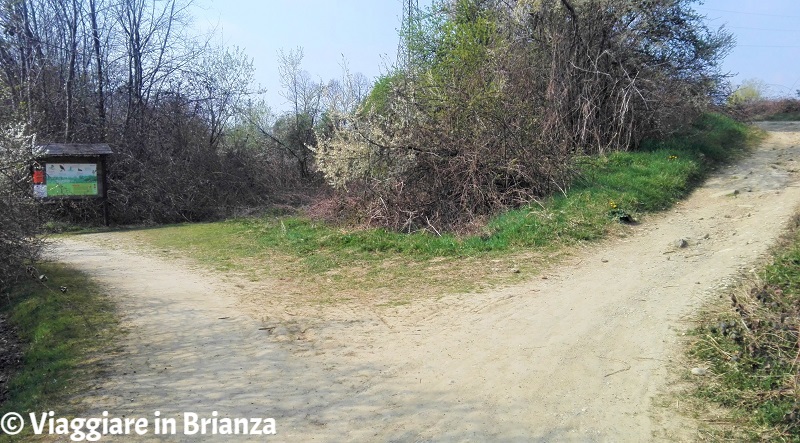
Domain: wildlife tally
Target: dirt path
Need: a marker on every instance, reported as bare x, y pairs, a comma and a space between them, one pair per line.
577, 354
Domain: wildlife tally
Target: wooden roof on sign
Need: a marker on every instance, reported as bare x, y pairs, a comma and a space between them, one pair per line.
73, 150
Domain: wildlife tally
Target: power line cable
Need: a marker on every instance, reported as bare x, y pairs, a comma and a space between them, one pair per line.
749, 13
764, 29
795, 84
766, 46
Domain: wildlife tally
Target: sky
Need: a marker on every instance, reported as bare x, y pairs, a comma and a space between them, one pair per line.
365, 33
768, 40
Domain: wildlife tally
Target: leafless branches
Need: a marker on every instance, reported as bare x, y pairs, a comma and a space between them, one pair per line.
19, 223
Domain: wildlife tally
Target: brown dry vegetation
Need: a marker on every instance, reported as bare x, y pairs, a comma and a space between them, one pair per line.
778, 109
499, 98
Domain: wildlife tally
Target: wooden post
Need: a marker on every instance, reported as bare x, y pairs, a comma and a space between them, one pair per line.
105, 188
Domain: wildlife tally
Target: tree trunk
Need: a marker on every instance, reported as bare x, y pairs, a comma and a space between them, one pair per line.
73, 55
101, 100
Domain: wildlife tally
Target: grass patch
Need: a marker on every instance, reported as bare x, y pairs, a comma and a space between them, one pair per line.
752, 348
60, 332
618, 186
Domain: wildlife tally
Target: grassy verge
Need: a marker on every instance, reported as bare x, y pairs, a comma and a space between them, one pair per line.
60, 332
752, 350
622, 185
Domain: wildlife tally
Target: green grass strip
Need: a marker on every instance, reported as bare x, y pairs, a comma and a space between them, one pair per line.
751, 347
607, 187
60, 331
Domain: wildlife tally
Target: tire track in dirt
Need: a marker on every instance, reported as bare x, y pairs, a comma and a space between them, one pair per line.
578, 356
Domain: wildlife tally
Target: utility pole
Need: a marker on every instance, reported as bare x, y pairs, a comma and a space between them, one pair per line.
405, 57
410, 15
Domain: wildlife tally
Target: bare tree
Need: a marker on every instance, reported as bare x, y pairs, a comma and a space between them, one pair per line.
71, 15
295, 132
299, 90
221, 82
346, 94
100, 78
154, 49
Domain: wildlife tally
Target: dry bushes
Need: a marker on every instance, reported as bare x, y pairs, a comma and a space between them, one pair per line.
778, 109
19, 221
498, 99
131, 73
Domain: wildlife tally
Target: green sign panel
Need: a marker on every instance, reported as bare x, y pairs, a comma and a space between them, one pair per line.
69, 179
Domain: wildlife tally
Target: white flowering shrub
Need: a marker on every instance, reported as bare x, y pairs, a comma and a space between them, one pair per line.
19, 221
361, 149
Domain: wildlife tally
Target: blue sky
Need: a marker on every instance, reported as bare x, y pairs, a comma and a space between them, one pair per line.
768, 40
365, 32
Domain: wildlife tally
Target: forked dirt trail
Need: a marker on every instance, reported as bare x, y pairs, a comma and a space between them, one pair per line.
576, 354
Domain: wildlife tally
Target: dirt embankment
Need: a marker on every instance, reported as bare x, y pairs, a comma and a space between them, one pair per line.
576, 354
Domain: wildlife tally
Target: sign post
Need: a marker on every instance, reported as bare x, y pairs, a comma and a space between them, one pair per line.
72, 171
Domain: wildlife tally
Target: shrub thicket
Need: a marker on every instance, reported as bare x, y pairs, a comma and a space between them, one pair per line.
498, 97
131, 74
19, 220
768, 109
